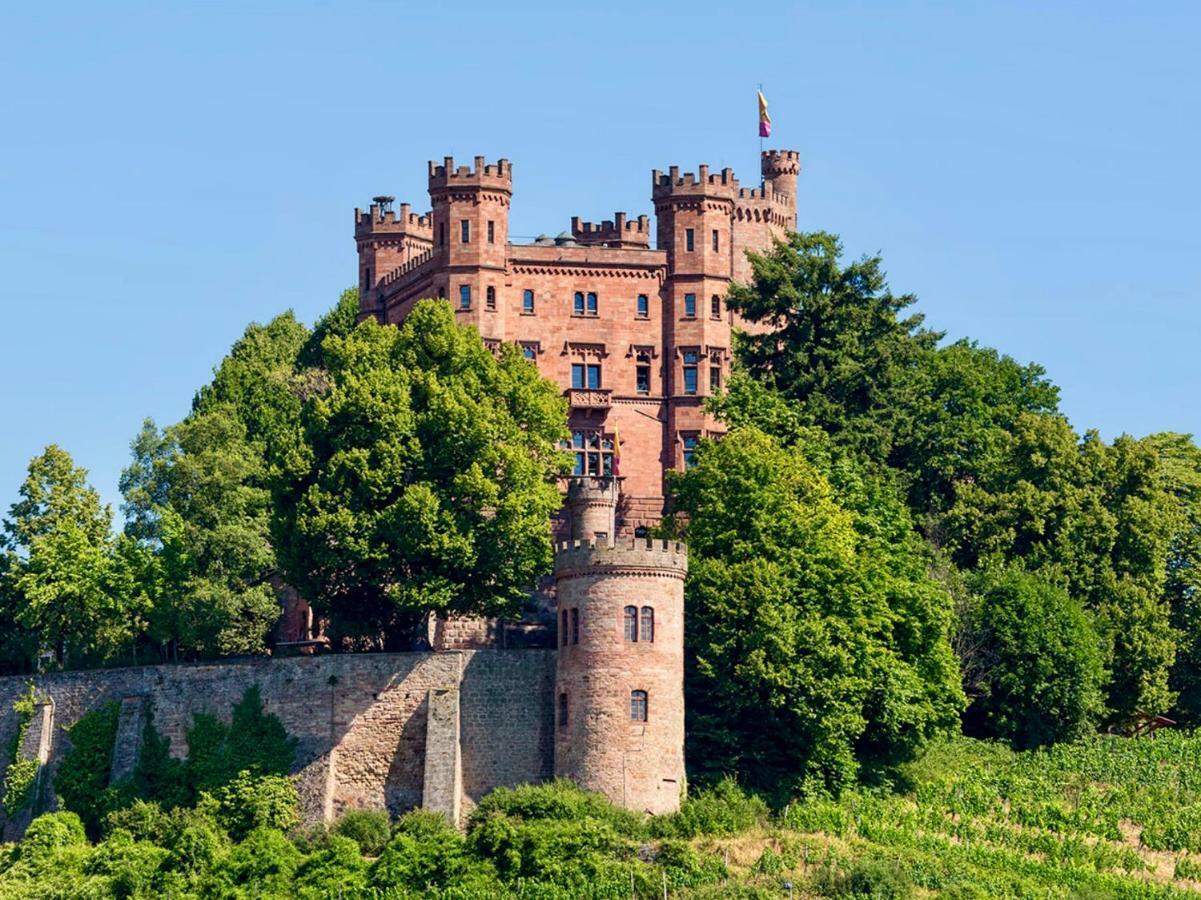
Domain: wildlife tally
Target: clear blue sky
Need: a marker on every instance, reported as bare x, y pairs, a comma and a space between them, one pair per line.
169, 173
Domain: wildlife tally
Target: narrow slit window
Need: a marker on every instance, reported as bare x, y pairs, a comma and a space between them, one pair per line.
690, 305
464, 296
592, 304
716, 241
563, 628
644, 307
715, 306
575, 626
638, 706
527, 301
691, 357
465, 231
631, 623
563, 710
492, 232
647, 625
689, 239
578, 307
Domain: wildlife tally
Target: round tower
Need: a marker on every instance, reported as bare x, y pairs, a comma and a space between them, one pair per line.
781, 169
619, 682
592, 508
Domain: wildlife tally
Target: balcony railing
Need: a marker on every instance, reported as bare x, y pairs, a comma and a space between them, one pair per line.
589, 398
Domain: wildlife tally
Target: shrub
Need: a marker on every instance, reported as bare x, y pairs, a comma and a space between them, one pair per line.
768, 863
370, 829
337, 870
425, 852
254, 742
248, 803
145, 821
21, 774
724, 809
874, 878
52, 831
133, 867
263, 864
558, 800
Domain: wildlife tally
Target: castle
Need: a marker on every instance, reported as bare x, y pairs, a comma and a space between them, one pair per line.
637, 337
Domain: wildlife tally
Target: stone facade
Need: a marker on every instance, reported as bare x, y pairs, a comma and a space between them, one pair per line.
374, 731
636, 336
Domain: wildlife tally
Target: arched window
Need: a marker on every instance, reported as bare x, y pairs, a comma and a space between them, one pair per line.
638, 706
563, 628
562, 710
648, 624
490, 297
631, 623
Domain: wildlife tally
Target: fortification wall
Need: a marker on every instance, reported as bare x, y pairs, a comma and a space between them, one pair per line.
361, 721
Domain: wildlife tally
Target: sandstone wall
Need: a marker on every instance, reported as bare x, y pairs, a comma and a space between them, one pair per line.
360, 721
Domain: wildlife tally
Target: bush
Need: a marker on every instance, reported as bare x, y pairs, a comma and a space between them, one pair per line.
53, 831
425, 852
253, 742
134, 867
558, 800
370, 829
263, 864
248, 803
337, 870
874, 878
21, 774
724, 809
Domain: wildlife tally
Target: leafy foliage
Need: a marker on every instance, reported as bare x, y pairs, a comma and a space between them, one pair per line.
21, 773
424, 479
81, 779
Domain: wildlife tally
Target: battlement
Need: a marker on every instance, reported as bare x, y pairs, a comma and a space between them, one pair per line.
641, 554
498, 176
781, 162
619, 232
377, 219
699, 183
405, 268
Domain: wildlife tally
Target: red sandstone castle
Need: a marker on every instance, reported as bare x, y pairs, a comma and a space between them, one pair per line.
636, 336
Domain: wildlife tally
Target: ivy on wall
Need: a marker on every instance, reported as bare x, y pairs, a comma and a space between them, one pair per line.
21, 774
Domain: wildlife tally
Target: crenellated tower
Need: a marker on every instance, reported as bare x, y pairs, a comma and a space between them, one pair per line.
470, 220
386, 241
619, 685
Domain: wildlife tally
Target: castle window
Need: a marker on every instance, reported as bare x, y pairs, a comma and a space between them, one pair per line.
492, 232
715, 307
638, 706
563, 628
690, 442
586, 376
578, 308
642, 378
529, 349
527, 302
593, 453
716, 241
464, 296
575, 626
465, 231
689, 240
490, 298
714, 376
631, 623
441, 234
644, 307
690, 361
690, 305
648, 624
441, 292
367, 278
591, 304
563, 710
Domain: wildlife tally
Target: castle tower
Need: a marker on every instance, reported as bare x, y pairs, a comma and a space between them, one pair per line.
471, 235
619, 684
781, 169
385, 241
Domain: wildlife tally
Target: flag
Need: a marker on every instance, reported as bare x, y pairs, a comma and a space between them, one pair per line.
764, 118
616, 450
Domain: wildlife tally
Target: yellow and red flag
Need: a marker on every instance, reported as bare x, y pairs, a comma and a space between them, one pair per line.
616, 450
764, 118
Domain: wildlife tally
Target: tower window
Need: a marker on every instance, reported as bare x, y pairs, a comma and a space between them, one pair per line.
563, 628
690, 441
714, 376
591, 304
647, 624
492, 232
715, 307
441, 233
690, 361
367, 278
490, 297
527, 302
464, 296
690, 305
578, 307
689, 240
586, 376
644, 307
441, 292
638, 706
563, 710
631, 623
465, 231
716, 241
575, 626
529, 351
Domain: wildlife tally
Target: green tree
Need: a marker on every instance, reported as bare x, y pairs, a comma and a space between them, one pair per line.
64, 581
837, 345
425, 476
815, 641
1045, 681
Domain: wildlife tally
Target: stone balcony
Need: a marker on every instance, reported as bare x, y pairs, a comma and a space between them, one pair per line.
589, 398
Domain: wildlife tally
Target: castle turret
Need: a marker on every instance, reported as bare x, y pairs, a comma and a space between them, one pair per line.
619, 685
781, 169
471, 234
386, 240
